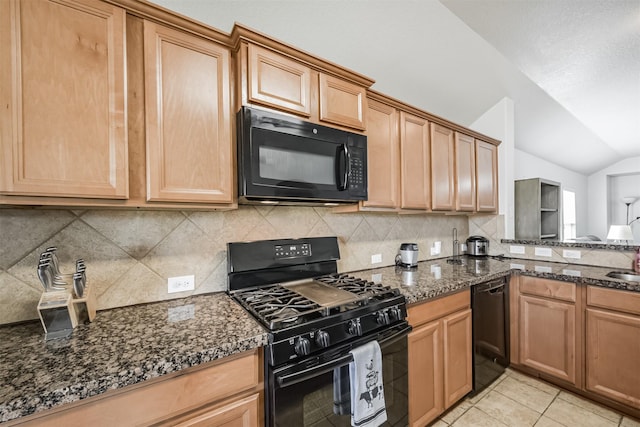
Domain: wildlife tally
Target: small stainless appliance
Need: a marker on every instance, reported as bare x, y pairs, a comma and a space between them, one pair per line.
315, 316
407, 255
285, 160
477, 246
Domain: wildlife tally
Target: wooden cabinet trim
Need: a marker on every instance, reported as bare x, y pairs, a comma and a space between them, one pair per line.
565, 291
614, 299
421, 313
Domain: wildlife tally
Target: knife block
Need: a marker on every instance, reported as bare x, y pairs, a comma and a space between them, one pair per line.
57, 314
85, 307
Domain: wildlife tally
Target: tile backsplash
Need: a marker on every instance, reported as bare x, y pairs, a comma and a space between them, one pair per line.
130, 254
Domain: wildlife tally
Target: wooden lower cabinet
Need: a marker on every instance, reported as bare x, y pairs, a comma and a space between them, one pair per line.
584, 338
548, 337
227, 392
613, 345
548, 331
440, 356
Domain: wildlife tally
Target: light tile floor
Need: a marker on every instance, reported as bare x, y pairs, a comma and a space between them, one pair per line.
515, 400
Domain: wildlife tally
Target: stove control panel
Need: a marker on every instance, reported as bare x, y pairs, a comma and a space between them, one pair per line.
292, 251
307, 341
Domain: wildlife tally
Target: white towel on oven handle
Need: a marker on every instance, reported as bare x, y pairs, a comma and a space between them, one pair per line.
367, 391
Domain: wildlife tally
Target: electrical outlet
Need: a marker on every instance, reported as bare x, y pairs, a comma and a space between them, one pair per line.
566, 253
436, 248
516, 249
181, 284
543, 252
376, 259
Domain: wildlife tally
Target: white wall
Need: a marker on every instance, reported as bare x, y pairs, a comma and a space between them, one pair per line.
528, 166
600, 201
498, 123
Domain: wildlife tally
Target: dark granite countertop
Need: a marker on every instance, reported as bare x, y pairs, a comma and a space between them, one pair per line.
128, 345
122, 346
437, 277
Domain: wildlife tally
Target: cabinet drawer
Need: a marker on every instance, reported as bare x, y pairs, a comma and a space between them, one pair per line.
614, 299
425, 312
555, 289
163, 398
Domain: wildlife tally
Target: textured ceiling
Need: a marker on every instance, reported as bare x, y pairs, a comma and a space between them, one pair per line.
585, 54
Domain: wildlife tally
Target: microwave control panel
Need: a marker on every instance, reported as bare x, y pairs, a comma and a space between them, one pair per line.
356, 177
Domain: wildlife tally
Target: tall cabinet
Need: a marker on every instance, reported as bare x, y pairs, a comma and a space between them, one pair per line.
537, 209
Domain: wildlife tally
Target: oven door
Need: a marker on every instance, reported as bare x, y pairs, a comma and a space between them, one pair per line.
315, 392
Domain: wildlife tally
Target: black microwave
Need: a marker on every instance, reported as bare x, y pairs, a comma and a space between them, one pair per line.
282, 159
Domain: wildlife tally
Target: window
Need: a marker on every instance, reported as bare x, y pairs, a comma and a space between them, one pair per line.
568, 214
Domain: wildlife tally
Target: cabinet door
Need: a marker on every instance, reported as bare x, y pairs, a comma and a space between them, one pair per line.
188, 117
277, 81
548, 336
383, 156
241, 413
342, 103
613, 355
442, 157
457, 356
62, 88
415, 162
465, 176
486, 177
425, 374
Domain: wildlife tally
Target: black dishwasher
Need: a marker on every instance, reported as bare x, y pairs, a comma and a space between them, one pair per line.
490, 306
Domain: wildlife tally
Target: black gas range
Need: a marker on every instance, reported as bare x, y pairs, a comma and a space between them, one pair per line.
315, 316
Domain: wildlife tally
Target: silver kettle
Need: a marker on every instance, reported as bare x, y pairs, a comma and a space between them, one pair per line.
407, 255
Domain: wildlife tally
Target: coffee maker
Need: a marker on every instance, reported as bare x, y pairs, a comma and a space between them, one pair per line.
407, 255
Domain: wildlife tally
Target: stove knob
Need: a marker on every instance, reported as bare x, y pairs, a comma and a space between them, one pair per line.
302, 346
322, 339
354, 327
395, 313
382, 317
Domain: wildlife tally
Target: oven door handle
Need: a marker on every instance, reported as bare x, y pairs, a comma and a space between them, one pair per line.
306, 374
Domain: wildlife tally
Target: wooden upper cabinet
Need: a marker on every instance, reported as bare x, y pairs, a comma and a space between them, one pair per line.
383, 156
465, 176
62, 88
188, 117
415, 162
486, 177
281, 77
277, 81
442, 168
341, 102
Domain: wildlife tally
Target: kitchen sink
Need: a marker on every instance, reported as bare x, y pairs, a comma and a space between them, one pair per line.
624, 275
